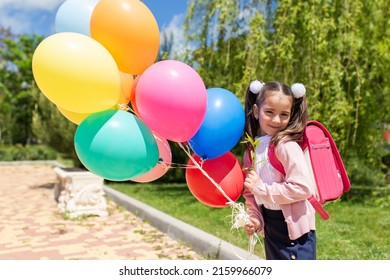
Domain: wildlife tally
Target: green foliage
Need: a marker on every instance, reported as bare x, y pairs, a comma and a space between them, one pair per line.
166, 46
338, 49
360, 173
252, 143
27, 152
27, 116
16, 92
53, 129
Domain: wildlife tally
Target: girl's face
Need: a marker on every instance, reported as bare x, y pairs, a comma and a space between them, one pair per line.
274, 113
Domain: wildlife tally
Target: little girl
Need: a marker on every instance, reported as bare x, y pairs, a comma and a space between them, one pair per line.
277, 204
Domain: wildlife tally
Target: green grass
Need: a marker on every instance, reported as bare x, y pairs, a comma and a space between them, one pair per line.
355, 231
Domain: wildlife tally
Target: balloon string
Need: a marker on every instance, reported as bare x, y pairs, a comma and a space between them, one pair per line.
239, 217
252, 242
206, 175
169, 165
253, 239
183, 166
125, 107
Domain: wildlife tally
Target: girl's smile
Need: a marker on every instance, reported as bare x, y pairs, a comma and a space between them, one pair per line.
274, 114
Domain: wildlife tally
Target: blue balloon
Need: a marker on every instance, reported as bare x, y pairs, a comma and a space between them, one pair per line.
75, 16
222, 126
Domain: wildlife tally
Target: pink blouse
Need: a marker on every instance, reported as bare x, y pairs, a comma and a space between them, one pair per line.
290, 192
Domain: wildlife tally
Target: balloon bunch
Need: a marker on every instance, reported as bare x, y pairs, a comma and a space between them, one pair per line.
101, 58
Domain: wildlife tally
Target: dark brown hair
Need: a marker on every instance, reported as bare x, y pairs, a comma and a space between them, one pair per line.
298, 117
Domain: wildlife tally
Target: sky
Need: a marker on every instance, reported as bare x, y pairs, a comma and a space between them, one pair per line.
38, 16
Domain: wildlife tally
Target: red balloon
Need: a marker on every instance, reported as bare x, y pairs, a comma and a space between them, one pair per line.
225, 170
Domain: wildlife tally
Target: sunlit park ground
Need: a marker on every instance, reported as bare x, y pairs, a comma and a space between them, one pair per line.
355, 230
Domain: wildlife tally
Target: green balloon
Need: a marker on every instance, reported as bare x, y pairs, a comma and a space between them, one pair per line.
116, 145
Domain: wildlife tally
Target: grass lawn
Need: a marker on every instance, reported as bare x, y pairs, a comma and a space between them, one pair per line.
355, 231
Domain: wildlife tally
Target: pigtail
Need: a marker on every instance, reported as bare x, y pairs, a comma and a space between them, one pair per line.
252, 126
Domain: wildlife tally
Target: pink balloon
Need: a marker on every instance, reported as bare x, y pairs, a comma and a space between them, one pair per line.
171, 99
162, 166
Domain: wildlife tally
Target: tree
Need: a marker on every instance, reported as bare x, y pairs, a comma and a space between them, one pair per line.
338, 49
27, 116
16, 83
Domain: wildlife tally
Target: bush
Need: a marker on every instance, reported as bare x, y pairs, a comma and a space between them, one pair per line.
361, 172
367, 182
28, 152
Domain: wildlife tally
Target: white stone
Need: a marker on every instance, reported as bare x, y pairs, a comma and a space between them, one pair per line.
79, 193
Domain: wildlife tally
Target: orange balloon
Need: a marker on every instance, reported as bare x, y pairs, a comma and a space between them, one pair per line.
129, 31
126, 87
132, 96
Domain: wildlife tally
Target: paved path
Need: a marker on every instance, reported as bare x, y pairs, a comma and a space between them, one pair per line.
31, 228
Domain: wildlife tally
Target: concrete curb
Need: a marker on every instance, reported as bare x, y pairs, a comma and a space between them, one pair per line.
202, 242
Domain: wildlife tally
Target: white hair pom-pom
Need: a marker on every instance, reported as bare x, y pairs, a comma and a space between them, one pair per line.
298, 90
255, 86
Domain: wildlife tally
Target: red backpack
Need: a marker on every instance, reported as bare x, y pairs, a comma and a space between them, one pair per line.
326, 166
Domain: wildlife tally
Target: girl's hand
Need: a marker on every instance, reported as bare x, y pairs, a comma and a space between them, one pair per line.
252, 226
251, 180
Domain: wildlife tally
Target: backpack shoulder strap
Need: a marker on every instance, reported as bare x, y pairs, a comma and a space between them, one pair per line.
274, 160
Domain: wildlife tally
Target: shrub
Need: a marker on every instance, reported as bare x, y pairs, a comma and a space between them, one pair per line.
28, 152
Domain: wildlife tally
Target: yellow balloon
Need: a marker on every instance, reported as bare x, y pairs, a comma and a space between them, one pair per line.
75, 118
76, 73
